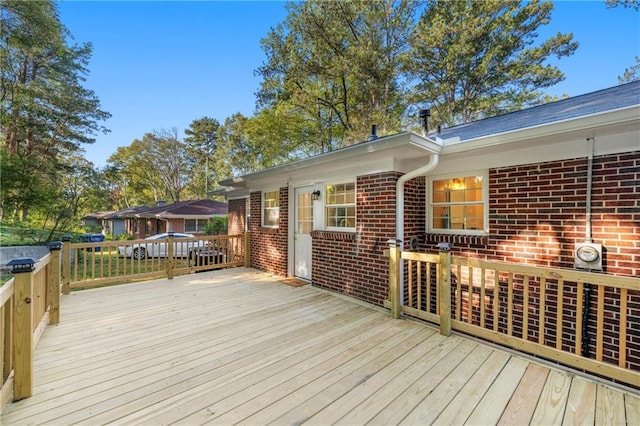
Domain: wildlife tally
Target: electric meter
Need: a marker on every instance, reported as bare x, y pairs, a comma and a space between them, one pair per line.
588, 256
587, 253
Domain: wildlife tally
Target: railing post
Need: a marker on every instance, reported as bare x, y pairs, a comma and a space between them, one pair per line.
170, 251
54, 282
395, 252
247, 249
66, 264
444, 289
22, 329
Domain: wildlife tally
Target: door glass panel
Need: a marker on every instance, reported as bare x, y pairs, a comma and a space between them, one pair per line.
305, 214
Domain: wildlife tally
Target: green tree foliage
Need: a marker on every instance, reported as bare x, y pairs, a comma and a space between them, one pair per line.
47, 114
218, 225
333, 68
208, 155
240, 153
154, 168
473, 59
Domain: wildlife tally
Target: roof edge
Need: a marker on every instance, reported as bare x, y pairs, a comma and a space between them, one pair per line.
380, 144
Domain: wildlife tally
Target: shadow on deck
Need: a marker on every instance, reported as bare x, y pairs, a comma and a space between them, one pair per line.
237, 346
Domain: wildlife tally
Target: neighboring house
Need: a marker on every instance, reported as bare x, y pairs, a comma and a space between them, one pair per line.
185, 216
520, 187
97, 219
116, 223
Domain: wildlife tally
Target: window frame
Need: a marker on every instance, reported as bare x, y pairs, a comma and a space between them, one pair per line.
263, 209
325, 206
199, 225
430, 204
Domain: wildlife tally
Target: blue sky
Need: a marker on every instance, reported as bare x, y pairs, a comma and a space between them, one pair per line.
162, 64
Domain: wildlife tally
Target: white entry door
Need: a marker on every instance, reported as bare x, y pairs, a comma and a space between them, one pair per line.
302, 232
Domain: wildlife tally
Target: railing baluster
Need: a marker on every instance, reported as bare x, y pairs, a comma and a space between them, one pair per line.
579, 313
541, 309
459, 292
93, 261
419, 286
483, 284
496, 299
410, 283
559, 313
622, 360
510, 304
470, 295
84, 263
7, 365
525, 306
428, 287
600, 324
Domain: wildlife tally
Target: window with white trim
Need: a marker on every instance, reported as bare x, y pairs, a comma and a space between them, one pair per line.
270, 209
458, 204
340, 205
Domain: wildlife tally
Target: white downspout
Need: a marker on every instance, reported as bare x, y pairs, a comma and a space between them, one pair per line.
433, 162
421, 171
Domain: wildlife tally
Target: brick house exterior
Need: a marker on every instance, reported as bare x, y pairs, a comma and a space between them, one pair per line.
535, 167
185, 216
269, 245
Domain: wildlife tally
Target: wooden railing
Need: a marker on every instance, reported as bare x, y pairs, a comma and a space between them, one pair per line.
28, 302
100, 263
585, 320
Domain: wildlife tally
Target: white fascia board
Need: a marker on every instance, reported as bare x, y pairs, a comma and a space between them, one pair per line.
583, 123
235, 194
563, 147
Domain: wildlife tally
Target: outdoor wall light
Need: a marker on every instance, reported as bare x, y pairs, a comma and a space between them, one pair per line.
21, 265
315, 195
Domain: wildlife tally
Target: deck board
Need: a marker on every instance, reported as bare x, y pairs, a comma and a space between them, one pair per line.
581, 405
521, 406
236, 346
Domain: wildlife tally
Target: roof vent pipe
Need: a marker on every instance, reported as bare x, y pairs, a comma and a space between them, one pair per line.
373, 135
424, 120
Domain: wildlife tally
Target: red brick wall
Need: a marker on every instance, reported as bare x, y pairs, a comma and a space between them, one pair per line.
537, 214
174, 225
414, 211
354, 264
269, 245
237, 216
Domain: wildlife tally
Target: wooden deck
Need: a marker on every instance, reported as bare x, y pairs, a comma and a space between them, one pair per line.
237, 346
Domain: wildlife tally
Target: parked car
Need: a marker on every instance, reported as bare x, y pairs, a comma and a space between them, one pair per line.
157, 246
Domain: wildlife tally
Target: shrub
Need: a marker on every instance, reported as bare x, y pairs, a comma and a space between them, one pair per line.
217, 226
